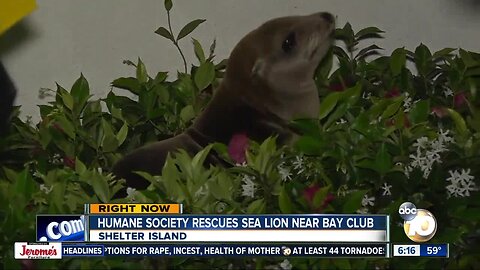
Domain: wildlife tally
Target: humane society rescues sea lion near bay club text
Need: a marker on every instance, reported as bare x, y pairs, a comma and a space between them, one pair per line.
268, 83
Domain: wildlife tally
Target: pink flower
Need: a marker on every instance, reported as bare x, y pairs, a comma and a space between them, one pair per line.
69, 162
394, 92
337, 87
237, 147
330, 197
439, 112
309, 194
459, 99
406, 122
58, 127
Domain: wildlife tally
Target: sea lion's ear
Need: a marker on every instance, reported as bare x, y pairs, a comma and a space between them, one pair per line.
258, 68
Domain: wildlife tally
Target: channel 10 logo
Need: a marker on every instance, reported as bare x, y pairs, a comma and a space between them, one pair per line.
419, 224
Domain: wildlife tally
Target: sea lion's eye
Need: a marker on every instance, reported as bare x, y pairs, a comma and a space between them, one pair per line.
289, 43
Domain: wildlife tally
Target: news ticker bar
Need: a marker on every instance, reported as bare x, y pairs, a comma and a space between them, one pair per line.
421, 250
228, 250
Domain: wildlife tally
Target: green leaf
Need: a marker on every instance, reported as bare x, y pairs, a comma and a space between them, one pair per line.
160, 77
353, 202
142, 75
310, 145
168, 5
320, 196
24, 185
420, 111
162, 31
391, 109
212, 48
370, 50
204, 75
101, 188
189, 27
398, 60
131, 84
339, 112
460, 124
187, 113
383, 160
199, 53
80, 168
66, 125
217, 190
468, 59
109, 142
328, 104
368, 32
67, 100
122, 134
162, 93
423, 59
352, 94
257, 207
443, 53
284, 201
80, 90
199, 159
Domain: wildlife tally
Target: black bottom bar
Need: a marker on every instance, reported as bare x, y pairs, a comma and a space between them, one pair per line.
230, 250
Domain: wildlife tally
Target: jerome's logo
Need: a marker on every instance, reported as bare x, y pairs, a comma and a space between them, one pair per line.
24, 250
419, 224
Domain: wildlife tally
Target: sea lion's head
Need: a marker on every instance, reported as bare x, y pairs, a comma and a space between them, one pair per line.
276, 62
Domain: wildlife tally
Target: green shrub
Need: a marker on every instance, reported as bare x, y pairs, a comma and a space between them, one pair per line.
392, 128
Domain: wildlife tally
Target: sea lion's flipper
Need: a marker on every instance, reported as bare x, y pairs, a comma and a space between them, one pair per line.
150, 158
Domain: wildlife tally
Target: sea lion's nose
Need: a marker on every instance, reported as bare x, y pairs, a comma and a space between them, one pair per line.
328, 17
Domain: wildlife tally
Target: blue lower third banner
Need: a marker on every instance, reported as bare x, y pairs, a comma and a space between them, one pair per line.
232, 250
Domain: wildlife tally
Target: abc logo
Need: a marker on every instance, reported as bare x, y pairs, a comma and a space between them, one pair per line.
419, 225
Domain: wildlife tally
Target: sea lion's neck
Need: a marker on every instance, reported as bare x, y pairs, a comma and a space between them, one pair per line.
303, 102
229, 113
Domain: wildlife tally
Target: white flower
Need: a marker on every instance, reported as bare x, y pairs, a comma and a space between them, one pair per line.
363, 210
298, 164
340, 121
407, 103
443, 136
366, 95
407, 170
285, 265
376, 121
202, 191
368, 200
421, 142
285, 173
461, 184
248, 188
45, 189
428, 153
131, 194
386, 189
243, 164
448, 92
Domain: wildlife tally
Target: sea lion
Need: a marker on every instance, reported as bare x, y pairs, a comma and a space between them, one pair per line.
268, 82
